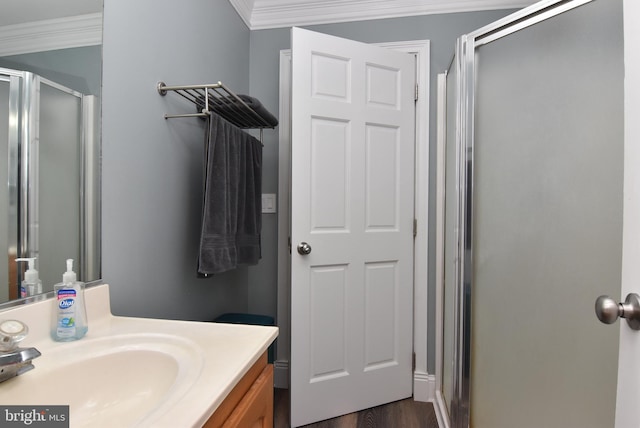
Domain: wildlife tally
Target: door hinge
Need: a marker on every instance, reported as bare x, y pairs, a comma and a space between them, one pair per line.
415, 227
289, 244
416, 96
413, 362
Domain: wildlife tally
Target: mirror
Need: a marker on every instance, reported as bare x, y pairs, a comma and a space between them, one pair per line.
50, 83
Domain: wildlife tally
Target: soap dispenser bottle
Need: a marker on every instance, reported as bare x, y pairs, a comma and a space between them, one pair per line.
70, 314
31, 285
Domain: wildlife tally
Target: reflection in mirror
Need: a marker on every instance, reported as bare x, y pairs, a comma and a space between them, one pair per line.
50, 82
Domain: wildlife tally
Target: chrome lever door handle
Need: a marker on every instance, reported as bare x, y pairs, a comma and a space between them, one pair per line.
608, 310
304, 248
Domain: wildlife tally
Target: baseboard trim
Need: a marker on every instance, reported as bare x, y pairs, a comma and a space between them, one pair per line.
424, 387
281, 374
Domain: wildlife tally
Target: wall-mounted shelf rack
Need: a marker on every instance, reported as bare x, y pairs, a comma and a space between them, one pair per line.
219, 99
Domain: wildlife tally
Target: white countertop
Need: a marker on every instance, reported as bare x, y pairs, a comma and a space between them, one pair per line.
218, 354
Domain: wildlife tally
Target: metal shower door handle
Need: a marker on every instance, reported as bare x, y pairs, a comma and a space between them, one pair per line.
304, 248
608, 310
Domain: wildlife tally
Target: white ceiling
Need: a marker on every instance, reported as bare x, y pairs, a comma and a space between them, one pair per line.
260, 14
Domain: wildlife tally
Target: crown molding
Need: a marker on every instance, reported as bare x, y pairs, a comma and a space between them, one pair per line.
244, 9
51, 34
287, 13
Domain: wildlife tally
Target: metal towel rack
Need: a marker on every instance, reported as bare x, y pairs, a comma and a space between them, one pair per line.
218, 98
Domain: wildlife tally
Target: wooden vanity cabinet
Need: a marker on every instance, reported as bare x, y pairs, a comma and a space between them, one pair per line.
250, 403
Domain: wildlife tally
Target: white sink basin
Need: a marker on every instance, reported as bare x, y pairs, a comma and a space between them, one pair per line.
133, 372
122, 380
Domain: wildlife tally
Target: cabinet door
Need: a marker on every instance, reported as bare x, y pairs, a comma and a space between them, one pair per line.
239, 393
255, 410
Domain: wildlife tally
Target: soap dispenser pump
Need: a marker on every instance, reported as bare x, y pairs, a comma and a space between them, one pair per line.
70, 314
31, 285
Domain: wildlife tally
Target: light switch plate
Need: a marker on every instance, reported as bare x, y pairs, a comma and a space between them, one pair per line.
268, 202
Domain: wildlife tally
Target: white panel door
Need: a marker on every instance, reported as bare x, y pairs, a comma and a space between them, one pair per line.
628, 394
352, 203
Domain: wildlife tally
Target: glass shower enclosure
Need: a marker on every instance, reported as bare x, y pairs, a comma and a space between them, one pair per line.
48, 143
533, 218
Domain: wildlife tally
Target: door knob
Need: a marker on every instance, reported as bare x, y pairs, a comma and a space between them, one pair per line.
608, 310
304, 248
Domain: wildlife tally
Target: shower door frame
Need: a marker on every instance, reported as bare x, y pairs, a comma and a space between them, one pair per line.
465, 63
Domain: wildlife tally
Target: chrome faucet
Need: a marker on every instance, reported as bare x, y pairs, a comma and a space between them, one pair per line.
14, 361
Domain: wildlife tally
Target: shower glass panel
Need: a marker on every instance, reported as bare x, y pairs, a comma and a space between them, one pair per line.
49, 205
546, 220
60, 160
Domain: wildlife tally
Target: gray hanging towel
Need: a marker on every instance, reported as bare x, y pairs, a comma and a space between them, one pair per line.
232, 206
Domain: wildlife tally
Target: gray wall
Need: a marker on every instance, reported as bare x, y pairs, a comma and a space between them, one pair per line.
152, 167
441, 30
76, 68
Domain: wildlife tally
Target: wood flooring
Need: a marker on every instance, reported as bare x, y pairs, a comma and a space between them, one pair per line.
400, 414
